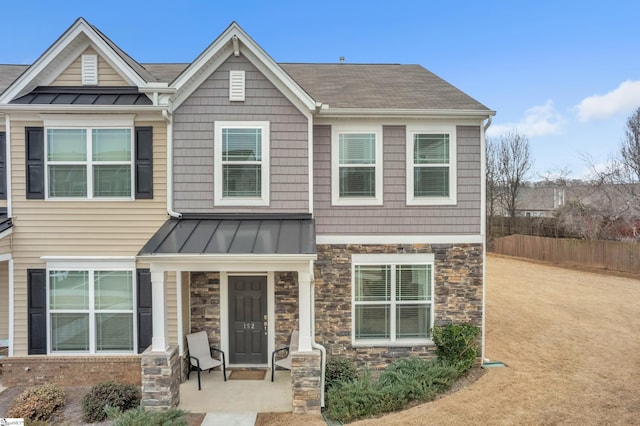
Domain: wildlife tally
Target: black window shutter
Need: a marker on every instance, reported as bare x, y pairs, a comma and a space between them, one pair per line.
145, 320
34, 140
37, 311
144, 163
3, 166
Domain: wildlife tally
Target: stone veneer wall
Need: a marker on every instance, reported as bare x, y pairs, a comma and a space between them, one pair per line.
160, 379
457, 296
205, 306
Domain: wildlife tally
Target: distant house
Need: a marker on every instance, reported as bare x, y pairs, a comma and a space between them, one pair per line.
236, 195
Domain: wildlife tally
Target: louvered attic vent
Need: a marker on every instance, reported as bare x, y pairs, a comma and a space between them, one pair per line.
236, 85
89, 70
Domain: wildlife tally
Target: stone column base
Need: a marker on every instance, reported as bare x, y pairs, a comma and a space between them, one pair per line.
305, 381
160, 379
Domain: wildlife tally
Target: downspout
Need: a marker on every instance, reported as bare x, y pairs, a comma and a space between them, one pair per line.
483, 226
314, 344
7, 131
169, 117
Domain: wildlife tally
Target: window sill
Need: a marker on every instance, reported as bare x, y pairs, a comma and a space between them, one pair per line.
241, 202
388, 344
356, 202
432, 201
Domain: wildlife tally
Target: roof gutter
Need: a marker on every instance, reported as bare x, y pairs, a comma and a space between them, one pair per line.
169, 117
80, 108
391, 112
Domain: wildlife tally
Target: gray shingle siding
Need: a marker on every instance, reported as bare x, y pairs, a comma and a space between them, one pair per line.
194, 133
395, 217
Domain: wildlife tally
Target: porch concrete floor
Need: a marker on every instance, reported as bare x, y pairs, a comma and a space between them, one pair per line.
257, 396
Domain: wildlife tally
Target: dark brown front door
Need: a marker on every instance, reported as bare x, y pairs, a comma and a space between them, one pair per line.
247, 319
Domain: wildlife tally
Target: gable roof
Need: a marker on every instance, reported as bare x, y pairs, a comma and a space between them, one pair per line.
64, 50
375, 86
329, 88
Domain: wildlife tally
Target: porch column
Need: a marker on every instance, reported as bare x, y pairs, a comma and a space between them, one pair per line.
158, 311
304, 314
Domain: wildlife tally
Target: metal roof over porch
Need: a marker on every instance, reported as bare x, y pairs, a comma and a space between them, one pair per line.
213, 234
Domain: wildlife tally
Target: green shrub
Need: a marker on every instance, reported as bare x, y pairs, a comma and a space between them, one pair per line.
339, 370
139, 417
419, 379
118, 395
351, 400
38, 403
457, 344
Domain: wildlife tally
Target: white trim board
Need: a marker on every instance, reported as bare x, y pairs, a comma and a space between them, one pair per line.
399, 239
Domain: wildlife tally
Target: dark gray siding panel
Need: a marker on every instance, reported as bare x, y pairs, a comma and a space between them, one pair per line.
193, 142
395, 217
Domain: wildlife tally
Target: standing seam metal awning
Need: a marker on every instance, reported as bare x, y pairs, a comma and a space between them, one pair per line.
234, 234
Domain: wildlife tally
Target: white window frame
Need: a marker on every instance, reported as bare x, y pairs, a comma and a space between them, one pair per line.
392, 260
412, 200
219, 199
92, 265
336, 200
89, 163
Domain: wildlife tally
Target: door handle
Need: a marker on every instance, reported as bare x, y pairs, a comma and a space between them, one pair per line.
265, 324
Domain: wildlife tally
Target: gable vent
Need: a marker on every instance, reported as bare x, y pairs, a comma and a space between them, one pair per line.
89, 70
236, 85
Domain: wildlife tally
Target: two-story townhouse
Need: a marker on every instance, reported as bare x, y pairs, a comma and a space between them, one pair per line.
345, 201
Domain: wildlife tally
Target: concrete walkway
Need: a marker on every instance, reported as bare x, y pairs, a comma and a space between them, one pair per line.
235, 402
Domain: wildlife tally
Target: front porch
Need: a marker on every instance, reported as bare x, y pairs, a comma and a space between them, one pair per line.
261, 396
248, 283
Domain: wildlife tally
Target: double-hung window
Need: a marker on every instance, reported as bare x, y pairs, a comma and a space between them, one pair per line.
91, 310
241, 163
89, 163
392, 298
356, 165
431, 165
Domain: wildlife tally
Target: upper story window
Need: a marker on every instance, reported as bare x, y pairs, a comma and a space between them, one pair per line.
89, 162
392, 298
356, 172
242, 163
431, 165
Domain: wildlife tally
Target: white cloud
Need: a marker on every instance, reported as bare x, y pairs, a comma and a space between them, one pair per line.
539, 120
624, 98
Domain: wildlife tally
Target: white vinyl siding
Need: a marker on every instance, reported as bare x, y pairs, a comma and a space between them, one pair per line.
89, 163
356, 165
431, 171
241, 157
392, 299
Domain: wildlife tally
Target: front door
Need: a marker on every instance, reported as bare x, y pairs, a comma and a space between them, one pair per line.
248, 320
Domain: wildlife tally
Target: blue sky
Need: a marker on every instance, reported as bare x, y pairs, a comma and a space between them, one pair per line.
564, 73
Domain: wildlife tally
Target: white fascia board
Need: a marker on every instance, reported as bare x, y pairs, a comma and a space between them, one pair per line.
399, 239
228, 262
6, 233
59, 108
79, 27
224, 45
390, 112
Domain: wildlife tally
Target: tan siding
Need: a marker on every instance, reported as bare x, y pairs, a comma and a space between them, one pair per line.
6, 244
4, 300
78, 228
72, 76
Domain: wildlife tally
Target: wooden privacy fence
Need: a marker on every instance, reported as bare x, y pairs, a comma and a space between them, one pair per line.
609, 255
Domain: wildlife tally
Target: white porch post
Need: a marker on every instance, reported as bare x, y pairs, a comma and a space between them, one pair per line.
158, 311
304, 311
